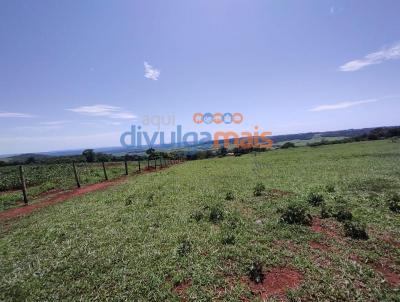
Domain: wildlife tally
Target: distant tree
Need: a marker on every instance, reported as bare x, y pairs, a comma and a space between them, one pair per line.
2, 163
102, 157
222, 151
30, 160
151, 153
288, 145
89, 155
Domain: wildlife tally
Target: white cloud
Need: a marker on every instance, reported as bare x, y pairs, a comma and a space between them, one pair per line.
55, 123
150, 72
4, 114
386, 54
104, 111
342, 105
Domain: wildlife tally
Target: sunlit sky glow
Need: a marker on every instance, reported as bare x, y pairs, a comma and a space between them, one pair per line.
76, 74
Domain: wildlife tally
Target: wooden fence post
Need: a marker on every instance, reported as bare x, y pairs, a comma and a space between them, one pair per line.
148, 163
23, 184
139, 165
76, 175
105, 172
126, 168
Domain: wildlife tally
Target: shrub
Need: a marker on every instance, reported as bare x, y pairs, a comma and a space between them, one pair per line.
198, 215
326, 211
184, 247
330, 188
129, 200
229, 196
216, 214
296, 214
394, 203
228, 239
315, 199
355, 230
343, 215
288, 145
258, 189
255, 272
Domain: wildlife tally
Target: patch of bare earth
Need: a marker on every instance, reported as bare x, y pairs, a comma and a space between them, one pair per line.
388, 270
319, 246
276, 193
277, 281
181, 289
327, 228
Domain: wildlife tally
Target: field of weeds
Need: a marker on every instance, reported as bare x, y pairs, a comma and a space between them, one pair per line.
302, 224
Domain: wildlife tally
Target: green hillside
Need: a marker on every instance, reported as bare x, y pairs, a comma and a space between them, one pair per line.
193, 231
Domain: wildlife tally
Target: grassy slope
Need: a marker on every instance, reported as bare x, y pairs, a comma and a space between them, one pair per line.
43, 178
123, 243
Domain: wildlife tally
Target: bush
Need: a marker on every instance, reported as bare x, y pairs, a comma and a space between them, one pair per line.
258, 189
315, 199
129, 200
255, 272
184, 247
355, 230
326, 211
198, 215
330, 188
343, 215
394, 203
228, 239
229, 196
216, 214
296, 214
288, 145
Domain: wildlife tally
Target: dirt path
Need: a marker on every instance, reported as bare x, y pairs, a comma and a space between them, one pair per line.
25, 210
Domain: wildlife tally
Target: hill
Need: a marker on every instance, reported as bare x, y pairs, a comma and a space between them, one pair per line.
205, 230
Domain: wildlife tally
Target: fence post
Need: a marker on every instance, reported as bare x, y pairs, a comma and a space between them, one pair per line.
105, 172
76, 175
23, 184
126, 168
139, 165
148, 163
155, 164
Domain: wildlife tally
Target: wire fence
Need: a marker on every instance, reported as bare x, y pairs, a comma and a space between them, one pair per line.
24, 183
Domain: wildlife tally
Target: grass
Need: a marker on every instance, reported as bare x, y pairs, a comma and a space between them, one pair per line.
43, 178
100, 246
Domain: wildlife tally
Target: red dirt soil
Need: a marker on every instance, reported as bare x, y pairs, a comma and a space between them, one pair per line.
25, 210
181, 288
319, 246
384, 267
319, 227
276, 283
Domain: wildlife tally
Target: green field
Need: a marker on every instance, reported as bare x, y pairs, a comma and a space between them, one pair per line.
42, 178
173, 235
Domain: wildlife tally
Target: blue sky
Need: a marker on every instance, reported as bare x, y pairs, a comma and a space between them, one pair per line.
76, 74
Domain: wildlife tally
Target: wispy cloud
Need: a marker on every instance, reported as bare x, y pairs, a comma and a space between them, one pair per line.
4, 114
55, 123
386, 54
150, 72
343, 105
104, 111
